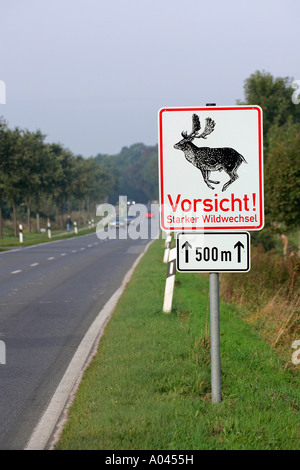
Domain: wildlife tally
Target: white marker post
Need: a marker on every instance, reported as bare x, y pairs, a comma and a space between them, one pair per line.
75, 227
168, 238
21, 233
167, 248
170, 281
49, 228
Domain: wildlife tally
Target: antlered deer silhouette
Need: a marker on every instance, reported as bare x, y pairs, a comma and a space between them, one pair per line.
208, 159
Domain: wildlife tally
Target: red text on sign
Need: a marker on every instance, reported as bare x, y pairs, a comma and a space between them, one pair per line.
232, 203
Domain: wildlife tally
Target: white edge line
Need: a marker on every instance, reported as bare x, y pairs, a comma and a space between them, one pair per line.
52, 422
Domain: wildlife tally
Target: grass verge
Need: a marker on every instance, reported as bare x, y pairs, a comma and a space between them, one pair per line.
148, 386
268, 298
9, 241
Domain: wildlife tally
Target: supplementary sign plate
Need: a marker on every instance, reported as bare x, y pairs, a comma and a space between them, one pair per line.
213, 252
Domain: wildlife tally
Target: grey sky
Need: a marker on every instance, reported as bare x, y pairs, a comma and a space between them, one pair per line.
92, 74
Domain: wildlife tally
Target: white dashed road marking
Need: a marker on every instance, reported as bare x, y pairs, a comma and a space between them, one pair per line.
53, 257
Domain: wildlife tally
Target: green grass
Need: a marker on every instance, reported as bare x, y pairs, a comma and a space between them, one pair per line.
8, 240
148, 386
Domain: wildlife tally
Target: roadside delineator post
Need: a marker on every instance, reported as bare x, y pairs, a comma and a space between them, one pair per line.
170, 281
167, 248
49, 228
21, 233
75, 227
168, 235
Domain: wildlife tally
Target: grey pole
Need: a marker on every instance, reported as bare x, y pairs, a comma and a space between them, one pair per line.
215, 338
215, 356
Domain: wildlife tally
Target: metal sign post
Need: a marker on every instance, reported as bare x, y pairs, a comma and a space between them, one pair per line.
215, 338
213, 252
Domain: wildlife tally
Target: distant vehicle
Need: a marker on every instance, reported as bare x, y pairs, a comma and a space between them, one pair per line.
150, 215
117, 223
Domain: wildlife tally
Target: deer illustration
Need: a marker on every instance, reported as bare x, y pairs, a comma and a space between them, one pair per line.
208, 159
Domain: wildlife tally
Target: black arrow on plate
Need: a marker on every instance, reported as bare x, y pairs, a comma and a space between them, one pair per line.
186, 245
239, 247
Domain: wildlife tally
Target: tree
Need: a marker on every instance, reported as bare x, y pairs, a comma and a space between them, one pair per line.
33, 166
64, 177
48, 168
12, 170
274, 96
92, 182
135, 172
282, 176
3, 144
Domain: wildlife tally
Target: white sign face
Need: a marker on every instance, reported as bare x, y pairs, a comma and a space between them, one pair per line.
213, 252
211, 168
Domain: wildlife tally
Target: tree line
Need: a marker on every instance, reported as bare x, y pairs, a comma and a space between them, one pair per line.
41, 179
136, 173
48, 179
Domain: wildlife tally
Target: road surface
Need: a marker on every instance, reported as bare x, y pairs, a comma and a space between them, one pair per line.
49, 296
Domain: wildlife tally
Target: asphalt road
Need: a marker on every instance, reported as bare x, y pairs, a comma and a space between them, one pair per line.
49, 296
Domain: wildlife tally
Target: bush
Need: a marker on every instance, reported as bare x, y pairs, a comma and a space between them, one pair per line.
269, 294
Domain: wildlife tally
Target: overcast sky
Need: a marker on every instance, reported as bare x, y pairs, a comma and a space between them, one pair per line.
92, 74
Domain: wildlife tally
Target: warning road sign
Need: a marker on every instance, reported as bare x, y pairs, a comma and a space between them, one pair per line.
216, 185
